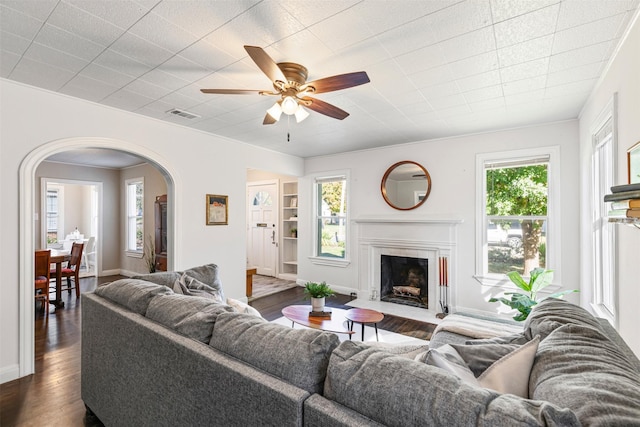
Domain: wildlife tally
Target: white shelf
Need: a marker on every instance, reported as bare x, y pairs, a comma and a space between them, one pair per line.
291, 262
289, 245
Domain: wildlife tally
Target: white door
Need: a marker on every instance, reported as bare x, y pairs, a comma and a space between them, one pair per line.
262, 236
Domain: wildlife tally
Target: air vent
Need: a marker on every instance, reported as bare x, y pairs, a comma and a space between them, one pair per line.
182, 113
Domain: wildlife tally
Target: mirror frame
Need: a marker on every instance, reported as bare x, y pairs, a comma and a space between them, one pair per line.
633, 153
383, 187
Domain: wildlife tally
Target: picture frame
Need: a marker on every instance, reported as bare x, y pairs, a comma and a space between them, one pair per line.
633, 164
217, 209
294, 202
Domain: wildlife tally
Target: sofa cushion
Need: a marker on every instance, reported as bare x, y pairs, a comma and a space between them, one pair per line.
396, 391
552, 313
479, 357
207, 274
134, 294
193, 317
166, 278
187, 285
299, 356
578, 367
242, 307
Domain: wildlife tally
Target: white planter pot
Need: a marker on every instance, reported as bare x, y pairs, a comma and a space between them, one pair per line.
317, 304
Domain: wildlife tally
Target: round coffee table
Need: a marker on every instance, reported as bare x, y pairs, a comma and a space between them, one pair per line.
336, 323
364, 315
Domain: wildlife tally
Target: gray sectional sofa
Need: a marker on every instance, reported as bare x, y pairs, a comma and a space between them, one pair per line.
151, 357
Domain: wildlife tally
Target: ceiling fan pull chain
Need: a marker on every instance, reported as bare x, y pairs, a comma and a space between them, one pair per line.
288, 128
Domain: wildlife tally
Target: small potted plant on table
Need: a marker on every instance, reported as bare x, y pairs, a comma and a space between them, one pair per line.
317, 292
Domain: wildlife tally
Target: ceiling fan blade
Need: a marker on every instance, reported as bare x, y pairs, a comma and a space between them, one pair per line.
232, 91
324, 108
341, 81
265, 63
268, 120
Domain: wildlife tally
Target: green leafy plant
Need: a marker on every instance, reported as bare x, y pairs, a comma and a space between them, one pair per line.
317, 290
539, 278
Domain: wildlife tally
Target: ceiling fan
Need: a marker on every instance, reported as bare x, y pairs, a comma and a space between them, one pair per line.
290, 84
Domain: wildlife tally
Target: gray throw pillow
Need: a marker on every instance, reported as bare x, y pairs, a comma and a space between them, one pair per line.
132, 293
552, 313
187, 285
166, 278
209, 275
193, 317
479, 357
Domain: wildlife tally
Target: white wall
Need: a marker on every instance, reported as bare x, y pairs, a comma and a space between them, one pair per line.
622, 78
33, 118
451, 164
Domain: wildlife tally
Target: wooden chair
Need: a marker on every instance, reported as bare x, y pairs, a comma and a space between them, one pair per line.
42, 274
72, 270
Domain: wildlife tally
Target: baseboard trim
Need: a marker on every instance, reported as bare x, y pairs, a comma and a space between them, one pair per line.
9, 373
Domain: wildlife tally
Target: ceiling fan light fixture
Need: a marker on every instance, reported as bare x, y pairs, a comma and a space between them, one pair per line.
301, 114
289, 105
275, 111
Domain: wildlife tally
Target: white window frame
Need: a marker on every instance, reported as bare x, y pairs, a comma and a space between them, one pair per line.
604, 296
554, 238
131, 215
58, 217
323, 260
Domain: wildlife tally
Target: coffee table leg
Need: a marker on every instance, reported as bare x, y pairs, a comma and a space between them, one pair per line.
363, 332
375, 325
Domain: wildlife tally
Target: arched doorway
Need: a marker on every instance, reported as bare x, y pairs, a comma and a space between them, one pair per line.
26, 229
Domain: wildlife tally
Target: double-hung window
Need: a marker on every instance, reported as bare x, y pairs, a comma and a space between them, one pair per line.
135, 215
517, 208
331, 219
52, 216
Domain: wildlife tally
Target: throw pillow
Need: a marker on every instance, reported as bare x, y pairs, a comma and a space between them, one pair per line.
509, 374
187, 285
242, 307
479, 357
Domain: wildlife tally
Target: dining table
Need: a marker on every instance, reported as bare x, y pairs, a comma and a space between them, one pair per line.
58, 257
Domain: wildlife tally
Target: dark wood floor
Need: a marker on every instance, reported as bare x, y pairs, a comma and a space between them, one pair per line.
51, 397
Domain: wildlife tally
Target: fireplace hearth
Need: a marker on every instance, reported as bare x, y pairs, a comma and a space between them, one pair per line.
404, 280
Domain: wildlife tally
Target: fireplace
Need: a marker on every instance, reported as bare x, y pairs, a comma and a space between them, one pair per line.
404, 280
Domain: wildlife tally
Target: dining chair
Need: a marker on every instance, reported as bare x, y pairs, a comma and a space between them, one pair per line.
42, 274
89, 252
72, 270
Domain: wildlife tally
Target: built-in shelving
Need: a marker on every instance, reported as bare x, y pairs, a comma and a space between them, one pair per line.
289, 243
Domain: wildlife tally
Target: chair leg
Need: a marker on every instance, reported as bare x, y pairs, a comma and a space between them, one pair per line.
77, 279
69, 284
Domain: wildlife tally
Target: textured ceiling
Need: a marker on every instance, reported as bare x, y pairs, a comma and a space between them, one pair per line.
438, 68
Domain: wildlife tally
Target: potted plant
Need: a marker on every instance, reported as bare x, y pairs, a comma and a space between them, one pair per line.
317, 292
294, 232
539, 278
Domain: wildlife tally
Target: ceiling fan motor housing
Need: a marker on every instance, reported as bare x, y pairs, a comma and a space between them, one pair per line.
296, 74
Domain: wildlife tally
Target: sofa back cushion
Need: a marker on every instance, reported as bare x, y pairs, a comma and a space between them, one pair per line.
299, 356
134, 294
209, 275
166, 278
191, 316
396, 391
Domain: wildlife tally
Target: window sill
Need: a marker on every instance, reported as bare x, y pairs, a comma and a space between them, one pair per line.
134, 254
329, 261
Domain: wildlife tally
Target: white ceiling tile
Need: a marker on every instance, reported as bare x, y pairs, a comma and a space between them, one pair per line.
507, 9
578, 12
113, 60
525, 51
536, 24
8, 61
524, 97
13, 43
39, 10
350, 18
440, 91
106, 75
422, 59
454, 111
583, 72
149, 90
304, 48
446, 102
142, 50
577, 57
14, 22
184, 69
379, 18
580, 87
474, 65
587, 34
84, 24
47, 55
407, 38
181, 101
483, 94
487, 103
165, 80
461, 18
525, 70
64, 41
470, 44
123, 14
126, 100
83, 87
478, 81
309, 13
157, 30
207, 55
527, 85
41, 75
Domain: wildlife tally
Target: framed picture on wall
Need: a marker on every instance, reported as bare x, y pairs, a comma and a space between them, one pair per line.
217, 209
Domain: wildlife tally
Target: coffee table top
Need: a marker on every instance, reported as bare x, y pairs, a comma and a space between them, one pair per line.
300, 314
364, 315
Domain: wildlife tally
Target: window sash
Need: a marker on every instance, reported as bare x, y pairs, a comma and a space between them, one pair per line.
135, 215
338, 220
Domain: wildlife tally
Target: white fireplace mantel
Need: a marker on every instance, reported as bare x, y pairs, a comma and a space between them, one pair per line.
409, 218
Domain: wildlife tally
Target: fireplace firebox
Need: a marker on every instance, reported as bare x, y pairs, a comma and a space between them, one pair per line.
404, 280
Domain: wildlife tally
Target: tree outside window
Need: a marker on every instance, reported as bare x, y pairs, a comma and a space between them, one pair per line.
516, 215
135, 214
331, 217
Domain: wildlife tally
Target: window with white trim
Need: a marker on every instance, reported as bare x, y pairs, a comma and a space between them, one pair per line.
53, 215
135, 216
603, 162
331, 219
518, 207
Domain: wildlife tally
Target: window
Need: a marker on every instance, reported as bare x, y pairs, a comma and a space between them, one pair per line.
331, 220
603, 241
515, 212
135, 213
52, 216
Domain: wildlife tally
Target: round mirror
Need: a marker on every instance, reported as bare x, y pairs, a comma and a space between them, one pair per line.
406, 185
